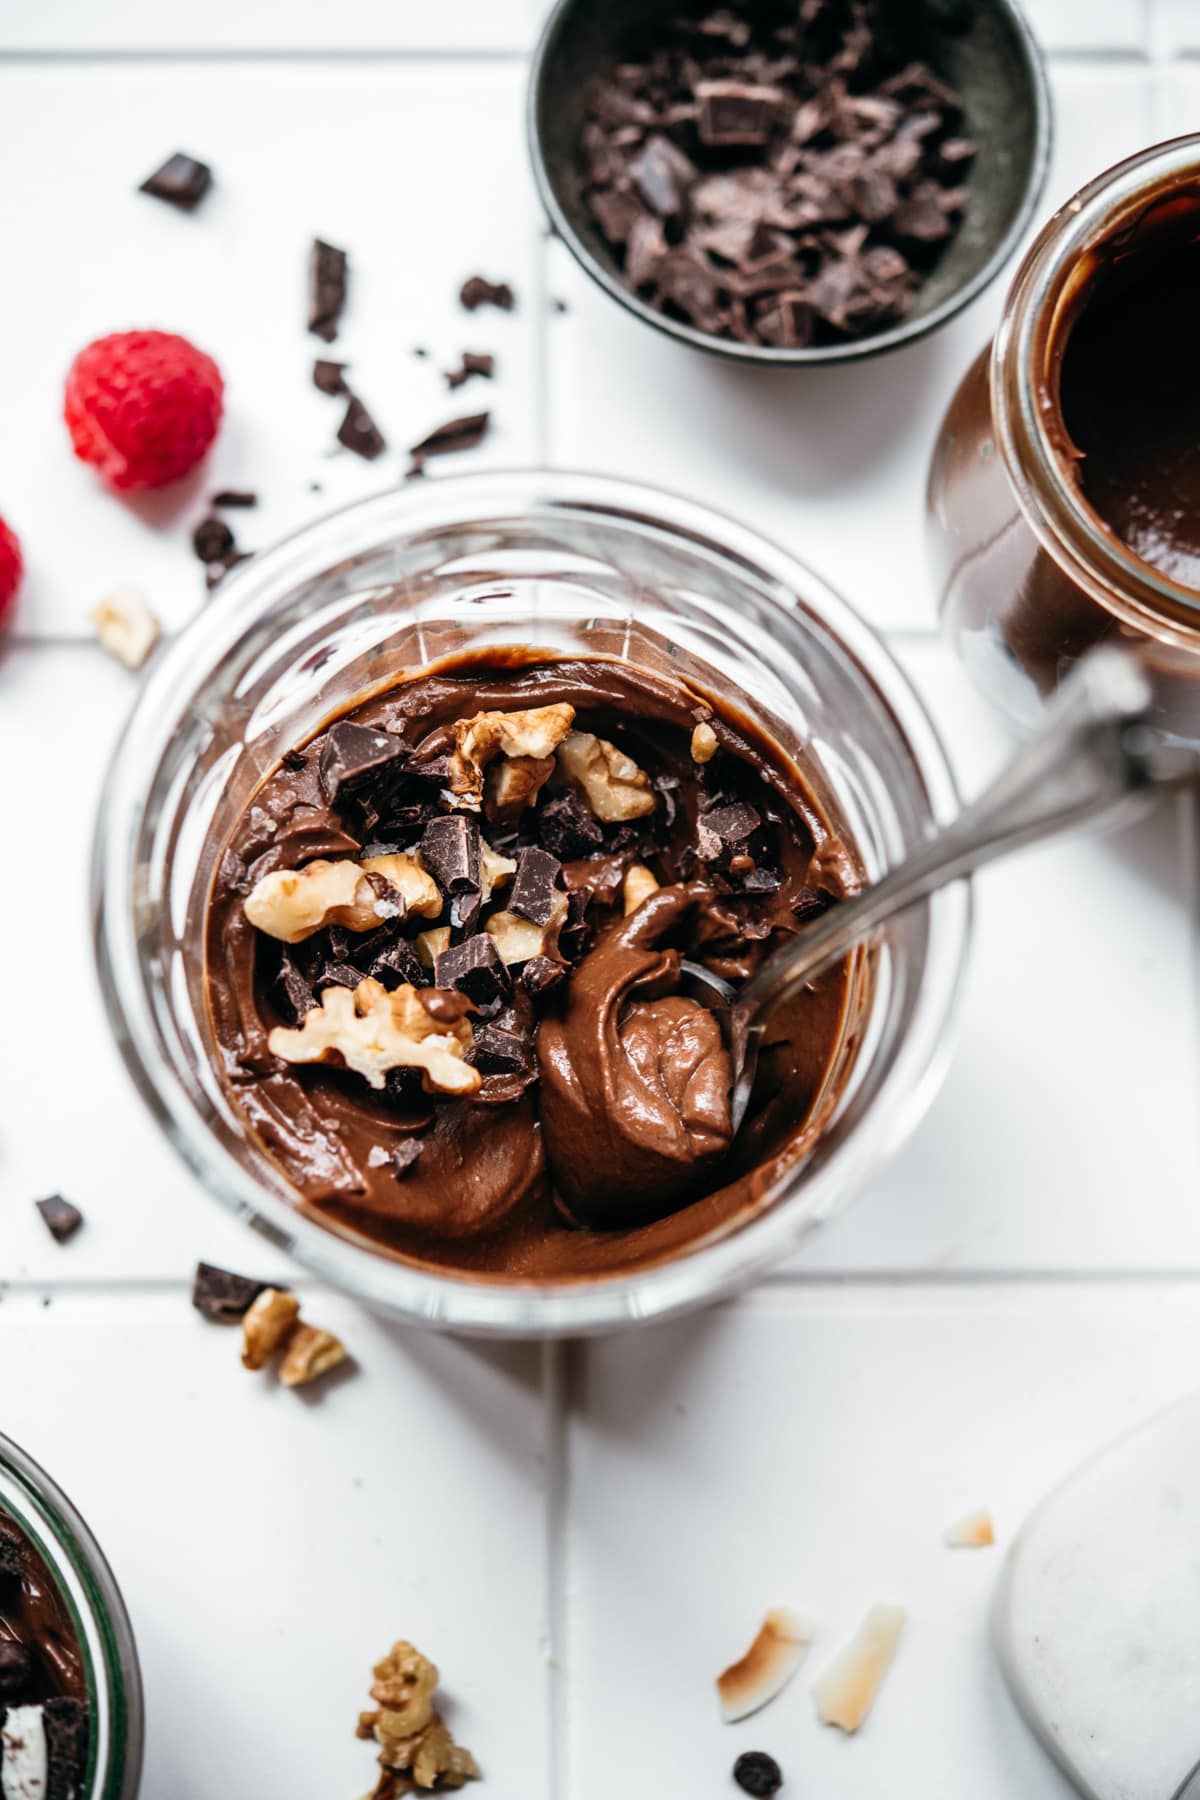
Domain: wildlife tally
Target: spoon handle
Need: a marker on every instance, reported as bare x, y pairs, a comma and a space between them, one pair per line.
1085, 761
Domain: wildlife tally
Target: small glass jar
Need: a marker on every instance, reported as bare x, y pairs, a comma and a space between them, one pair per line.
1028, 576
93, 1600
580, 565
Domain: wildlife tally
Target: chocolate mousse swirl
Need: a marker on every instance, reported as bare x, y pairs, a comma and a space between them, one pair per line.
443, 950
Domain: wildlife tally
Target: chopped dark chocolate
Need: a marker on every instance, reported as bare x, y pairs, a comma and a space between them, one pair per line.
335, 973
474, 968
212, 539
290, 991
716, 158
353, 752
450, 852
399, 965
455, 434
573, 932
359, 432
62, 1220
222, 1296
329, 377
327, 273
16, 1668
724, 831
566, 828
535, 884
499, 1052
478, 291
540, 974
404, 1155
235, 497
182, 181
473, 363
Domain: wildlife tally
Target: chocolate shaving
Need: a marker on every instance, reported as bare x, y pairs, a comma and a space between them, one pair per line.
235, 497
535, 884
327, 275
328, 377
359, 432
290, 991
454, 435
473, 363
182, 181
404, 1155
478, 291
222, 1296
451, 851
62, 1220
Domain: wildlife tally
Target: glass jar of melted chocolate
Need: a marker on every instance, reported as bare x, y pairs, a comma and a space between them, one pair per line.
1064, 491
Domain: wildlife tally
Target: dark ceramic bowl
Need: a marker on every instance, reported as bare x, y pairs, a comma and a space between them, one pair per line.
995, 64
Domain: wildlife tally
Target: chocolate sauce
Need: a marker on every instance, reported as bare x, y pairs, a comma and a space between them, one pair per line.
34, 1614
599, 1138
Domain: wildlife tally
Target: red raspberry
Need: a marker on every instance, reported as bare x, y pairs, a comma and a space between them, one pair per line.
11, 569
142, 407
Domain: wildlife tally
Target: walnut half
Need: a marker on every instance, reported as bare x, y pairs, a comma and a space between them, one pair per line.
372, 1031
414, 1744
290, 904
534, 733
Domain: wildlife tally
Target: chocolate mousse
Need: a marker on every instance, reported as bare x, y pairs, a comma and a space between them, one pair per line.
43, 1689
443, 958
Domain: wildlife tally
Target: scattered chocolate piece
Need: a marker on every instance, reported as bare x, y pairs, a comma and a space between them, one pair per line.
478, 291
62, 1219
749, 169
295, 760
496, 1051
757, 1773
328, 377
222, 1296
567, 829
420, 351
540, 974
560, 306
535, 884
326, 289
404, 1155
351, 752
16, 1668
212, 540
182, 181
235, 497
454, 435
473, 363
359, 432
474, 968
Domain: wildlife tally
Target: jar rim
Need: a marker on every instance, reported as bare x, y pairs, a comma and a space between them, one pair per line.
441, 1297
1070, 531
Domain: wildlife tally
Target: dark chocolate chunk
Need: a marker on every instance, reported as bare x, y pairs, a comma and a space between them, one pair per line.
12, 1556
329, 377
450, 852
473, 363
182, 181
235, 497
455, 434
353, 752
212, 539
337, 974
326, 289
478, 291
222, 1296
359, 432
723, 831
662, 175
757, 1773
499, 1052
809, 903
67, 1732
290, 991
761, 880
399, 966
295, 760
404, 1155
734, 112
62, 1219
566, 828
16, 1669
474, 968
540, 974
573, 932
535, 884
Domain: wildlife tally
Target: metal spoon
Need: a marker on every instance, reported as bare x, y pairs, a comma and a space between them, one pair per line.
1093, 756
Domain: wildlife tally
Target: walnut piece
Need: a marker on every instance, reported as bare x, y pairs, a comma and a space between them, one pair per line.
535, 732
515, 783
421, 892
414, 1743
372, 1031
290, 904
518, 939
640, 882
495, 870
266, 1325
613, 785
704, 743
430, 944
309, 1353
125, 625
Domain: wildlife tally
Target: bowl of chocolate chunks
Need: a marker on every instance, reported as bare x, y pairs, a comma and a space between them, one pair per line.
790, 181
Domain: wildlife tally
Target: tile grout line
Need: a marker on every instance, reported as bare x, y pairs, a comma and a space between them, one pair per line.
50, 57
557, 1359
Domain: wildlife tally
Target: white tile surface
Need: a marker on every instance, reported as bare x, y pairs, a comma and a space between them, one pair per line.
1067, 1135
1104, 25
271, 1547
467, 27
232, 277
809, 1449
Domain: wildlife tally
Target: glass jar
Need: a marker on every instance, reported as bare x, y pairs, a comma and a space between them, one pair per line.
1028, 576
93, 1600
579, 565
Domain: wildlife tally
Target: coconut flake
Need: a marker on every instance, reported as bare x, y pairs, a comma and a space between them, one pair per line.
846, 1692
974, 1531
768, 1665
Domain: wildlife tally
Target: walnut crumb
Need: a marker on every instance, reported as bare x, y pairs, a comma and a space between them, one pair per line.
273, 1328
704, 743
416, 1748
